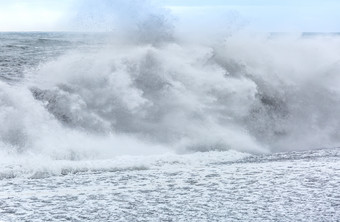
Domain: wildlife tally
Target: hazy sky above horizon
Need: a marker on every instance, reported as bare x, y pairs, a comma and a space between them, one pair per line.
258, 15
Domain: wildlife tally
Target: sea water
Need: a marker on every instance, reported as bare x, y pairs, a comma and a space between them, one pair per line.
144, 125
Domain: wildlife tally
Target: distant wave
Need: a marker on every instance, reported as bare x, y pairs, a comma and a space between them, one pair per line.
40, 166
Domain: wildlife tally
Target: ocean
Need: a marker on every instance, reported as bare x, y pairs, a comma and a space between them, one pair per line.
128, 127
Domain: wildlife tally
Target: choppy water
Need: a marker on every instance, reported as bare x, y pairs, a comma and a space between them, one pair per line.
144, 125
21, 52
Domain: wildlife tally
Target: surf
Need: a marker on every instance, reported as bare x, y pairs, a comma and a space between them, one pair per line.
145, 89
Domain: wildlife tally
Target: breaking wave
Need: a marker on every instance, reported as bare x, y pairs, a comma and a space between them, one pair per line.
146, 90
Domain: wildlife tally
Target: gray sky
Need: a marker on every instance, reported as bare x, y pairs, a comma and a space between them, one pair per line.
258, 15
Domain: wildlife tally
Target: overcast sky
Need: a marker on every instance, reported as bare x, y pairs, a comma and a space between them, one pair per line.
258, 15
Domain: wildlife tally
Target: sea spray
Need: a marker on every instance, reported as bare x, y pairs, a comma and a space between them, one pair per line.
147, 90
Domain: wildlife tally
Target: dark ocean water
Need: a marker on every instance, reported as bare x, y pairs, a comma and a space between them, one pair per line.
23, 51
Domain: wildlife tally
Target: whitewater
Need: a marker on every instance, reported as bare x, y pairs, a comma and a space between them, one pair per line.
141, 122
